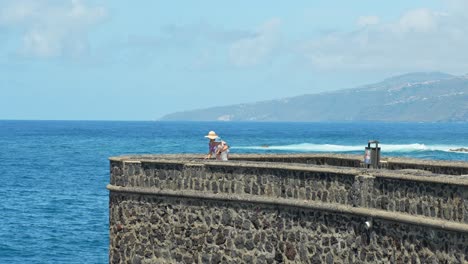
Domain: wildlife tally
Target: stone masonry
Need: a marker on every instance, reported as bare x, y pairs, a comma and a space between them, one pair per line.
182, 209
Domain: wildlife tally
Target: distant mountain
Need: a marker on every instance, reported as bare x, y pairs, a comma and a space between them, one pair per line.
414, 97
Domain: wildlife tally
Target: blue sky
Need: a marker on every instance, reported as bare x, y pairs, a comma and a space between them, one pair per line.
121, 60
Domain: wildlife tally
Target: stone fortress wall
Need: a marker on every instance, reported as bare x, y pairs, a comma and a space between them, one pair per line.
286, 209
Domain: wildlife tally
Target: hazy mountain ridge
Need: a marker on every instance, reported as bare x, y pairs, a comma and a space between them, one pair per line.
417, 97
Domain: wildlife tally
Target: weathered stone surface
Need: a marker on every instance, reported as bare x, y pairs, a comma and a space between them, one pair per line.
301, 243
167, 229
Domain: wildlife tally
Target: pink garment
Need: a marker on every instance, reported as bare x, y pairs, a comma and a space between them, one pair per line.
213, 148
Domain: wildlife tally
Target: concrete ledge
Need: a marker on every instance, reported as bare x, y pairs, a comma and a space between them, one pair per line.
311, 205
264, 157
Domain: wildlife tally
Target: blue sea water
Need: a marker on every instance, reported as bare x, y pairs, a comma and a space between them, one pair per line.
54, 204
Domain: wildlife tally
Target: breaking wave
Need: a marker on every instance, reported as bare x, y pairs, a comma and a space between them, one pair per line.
416, 147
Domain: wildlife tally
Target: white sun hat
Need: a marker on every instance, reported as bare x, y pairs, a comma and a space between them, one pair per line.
211, 135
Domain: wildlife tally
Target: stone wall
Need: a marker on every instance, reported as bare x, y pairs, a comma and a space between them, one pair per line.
343, 160
332, 160
451, 168
181, 209
150, 229
268, 181
437, 200
340, 160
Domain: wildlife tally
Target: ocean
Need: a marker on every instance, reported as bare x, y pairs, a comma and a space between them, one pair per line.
54, 204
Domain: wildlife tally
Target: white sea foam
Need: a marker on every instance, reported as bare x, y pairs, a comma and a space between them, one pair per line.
415, 147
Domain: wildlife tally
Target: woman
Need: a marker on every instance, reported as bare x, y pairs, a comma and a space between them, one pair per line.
218, 148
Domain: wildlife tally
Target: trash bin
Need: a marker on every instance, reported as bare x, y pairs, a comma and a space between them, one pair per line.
372, 155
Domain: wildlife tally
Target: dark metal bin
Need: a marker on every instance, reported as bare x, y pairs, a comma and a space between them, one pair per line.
372, 155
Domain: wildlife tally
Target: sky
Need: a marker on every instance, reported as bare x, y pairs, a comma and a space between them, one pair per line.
127, 60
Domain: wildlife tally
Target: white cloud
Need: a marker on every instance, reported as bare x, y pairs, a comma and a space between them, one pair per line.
254, 49
51, 28
17, 11
367, 21
457, 6
41, 43
419, 20
202, 31
421, 39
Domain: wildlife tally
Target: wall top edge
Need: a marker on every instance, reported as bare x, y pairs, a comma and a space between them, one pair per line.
247, 157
